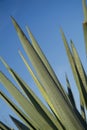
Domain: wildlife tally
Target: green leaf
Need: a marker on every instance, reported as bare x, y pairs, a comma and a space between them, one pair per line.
82, 110
4, 127
38, 83
24, 103
19, 124
85, 23
38, 105
73, 67
62, 107
44, 60
70, 94
81, 73
84, 10
85, 34
20, 113
9, 69
79, 66
43, 111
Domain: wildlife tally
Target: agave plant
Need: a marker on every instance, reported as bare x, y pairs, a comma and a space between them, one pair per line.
62, 112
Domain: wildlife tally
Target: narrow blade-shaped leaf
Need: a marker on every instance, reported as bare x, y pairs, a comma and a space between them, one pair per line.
44, 59
55, 95
38, 83
85, 23
84, 10
81, 72
76, 76
85, 34
19, 124
36, 102
34, 99
73, 66
82, 110
30, 110
4, 126
70, 94
20, 113
43, 111
79, 66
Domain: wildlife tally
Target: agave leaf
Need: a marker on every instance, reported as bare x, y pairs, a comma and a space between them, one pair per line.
79, 66
20, 113
38, 105
46, 114
24, 103
36, 102
42, 90
19, 124
85, 23
29, 50
70, 94
38, 83
81, 73
73, 67
45, 61
76, 75
82, 110
55, 95
84, 10
85, 34
8, 68
41, 54
4, 127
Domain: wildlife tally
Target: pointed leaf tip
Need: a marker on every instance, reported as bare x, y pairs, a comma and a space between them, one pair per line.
27, 28
15, 24
4, 63
13, 20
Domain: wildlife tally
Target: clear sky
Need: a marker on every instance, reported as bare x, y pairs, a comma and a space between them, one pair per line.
45, 18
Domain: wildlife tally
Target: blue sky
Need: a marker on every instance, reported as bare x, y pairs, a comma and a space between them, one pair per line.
45, 18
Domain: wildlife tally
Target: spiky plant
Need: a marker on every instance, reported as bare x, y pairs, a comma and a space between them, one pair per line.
62, 113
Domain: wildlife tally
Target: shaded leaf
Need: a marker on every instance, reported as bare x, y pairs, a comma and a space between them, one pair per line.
20, 113
45, 61
81, 73
82, 110
38, 83
73, 67
70, 94
4, 127
30, 110
19, 124
52, 89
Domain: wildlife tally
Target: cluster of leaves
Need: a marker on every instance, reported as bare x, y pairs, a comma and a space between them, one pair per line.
63, 113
